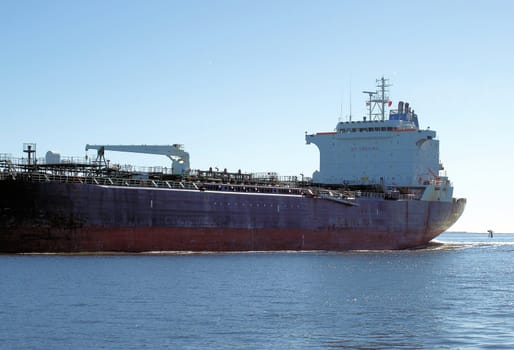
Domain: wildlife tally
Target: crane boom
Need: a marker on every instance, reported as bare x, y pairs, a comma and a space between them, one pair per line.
179, 157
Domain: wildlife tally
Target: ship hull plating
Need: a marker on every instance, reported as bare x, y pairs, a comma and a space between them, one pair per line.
69, 217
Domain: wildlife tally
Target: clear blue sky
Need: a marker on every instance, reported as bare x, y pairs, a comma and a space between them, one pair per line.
239, 82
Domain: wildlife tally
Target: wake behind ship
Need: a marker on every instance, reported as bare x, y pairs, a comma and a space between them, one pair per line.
380, 185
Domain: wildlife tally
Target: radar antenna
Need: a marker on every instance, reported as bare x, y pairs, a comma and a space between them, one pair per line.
378, 100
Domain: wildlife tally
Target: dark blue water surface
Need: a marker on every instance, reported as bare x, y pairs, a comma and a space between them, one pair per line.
456, 295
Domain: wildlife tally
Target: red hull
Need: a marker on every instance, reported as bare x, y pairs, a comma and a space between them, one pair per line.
140, 239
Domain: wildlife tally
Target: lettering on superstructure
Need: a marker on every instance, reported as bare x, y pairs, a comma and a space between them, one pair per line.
364, 149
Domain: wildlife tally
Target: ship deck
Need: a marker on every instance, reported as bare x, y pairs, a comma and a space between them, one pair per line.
72, 171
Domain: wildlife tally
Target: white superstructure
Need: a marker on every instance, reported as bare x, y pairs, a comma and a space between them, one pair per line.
392, 153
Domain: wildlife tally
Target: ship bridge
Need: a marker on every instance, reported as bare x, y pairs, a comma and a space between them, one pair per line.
375, 151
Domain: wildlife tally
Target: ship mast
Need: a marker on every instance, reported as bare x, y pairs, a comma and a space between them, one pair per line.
378, 100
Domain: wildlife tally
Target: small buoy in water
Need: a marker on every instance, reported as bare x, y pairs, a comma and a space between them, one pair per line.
490, 233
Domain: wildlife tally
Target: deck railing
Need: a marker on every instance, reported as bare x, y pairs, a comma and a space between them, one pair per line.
195, 185
71, 171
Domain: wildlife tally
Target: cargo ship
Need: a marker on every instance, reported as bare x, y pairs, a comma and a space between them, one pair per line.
380, 185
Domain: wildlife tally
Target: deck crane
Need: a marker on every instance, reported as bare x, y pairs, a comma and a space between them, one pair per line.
179, 157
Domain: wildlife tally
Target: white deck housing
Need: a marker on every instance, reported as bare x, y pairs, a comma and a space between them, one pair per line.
391, 153
388, 153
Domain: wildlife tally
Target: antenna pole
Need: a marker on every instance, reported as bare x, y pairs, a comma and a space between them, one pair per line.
378, 99
382, 86
350, 100
384, 99
369, 103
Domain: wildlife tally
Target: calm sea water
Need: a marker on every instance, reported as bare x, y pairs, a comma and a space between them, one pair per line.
456, 295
